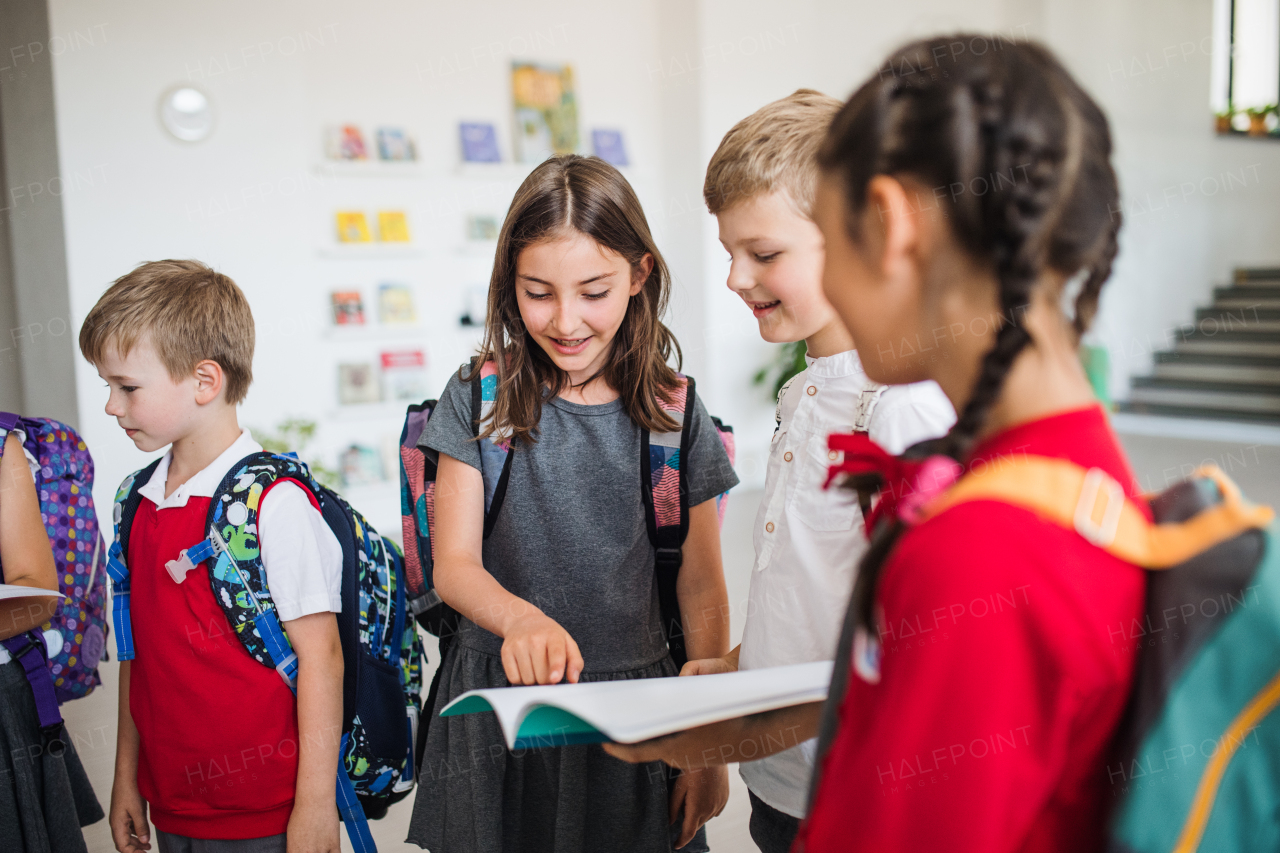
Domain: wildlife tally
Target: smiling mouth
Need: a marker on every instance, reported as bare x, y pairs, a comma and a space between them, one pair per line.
762, 308
570, 346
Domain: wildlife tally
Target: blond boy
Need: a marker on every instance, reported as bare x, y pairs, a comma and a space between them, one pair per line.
760, 186
210, 741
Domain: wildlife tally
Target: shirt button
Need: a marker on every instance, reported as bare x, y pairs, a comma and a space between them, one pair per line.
769, 527
832, 455
786, 457
811, 390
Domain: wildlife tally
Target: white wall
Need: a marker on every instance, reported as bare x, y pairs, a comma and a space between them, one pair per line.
249, 200
673, 74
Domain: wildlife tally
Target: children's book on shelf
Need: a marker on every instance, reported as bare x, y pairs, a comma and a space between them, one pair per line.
395, 305
395, 144
345, 142
348, 308
353, 227
357, 383
393, 226
404, 375
482, 227
546, 111
361, 466
609, 146
633, 710
479, 142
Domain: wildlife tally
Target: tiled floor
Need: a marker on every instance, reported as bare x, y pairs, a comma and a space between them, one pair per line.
1156, 460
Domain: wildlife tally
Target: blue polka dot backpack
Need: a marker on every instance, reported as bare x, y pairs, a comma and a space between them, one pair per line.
74, 641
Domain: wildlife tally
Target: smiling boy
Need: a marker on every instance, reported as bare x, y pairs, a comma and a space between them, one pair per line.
209, 740
760, 186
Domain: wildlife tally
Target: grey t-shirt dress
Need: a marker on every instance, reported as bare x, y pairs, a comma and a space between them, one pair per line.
571, 538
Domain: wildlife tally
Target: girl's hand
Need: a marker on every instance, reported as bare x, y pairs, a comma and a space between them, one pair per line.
129, 829
710, 666
702, 795
536, 650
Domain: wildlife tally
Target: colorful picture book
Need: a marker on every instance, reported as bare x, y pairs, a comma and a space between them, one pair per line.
479, 143
482, 227
345, 142
395, 305
633, 710
546, 111
395, 144
393, 226
609, 146
353, 227
404, 375
357, 383
348, 308
361, 466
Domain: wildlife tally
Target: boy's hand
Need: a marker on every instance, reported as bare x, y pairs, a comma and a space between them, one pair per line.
710, 666
313, 829
538, 651
129, 828
702, 795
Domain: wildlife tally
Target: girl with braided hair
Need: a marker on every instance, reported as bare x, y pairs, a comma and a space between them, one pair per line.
983, 668
966, 192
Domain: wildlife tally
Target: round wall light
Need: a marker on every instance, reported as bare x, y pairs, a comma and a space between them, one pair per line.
187, 113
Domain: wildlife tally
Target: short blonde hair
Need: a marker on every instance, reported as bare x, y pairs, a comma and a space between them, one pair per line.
191, 313
776, 147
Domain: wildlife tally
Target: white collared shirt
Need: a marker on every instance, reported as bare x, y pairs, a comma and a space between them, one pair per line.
300, 555
808, 540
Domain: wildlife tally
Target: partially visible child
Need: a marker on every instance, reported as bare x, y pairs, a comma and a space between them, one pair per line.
760, 186
45, 795
561, 586
210, 741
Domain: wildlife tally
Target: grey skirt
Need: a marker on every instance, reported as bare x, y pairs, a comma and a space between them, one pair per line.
45, 795
477, 796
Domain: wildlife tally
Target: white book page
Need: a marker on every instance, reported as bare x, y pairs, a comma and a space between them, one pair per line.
635, 710
8, 590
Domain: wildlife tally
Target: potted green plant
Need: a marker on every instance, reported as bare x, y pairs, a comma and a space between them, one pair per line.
1222, 120
1258, 119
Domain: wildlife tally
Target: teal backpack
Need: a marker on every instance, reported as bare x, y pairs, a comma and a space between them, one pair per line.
381, 650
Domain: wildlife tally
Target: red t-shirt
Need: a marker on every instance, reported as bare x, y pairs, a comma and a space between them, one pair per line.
1004, 674
218, 731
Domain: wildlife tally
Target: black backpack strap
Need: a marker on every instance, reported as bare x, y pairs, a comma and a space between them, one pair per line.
668, 539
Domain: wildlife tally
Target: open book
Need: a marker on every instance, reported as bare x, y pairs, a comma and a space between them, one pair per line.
9, 590
634, 710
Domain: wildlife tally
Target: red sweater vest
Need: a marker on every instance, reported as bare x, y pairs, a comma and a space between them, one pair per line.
218, 730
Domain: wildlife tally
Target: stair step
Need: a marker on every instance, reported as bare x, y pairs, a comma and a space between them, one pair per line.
1196, 412
1213, 321
1257, 274
1243, 315
1251, 291
1224, 345
1174, 357
1205, 397
1223, 374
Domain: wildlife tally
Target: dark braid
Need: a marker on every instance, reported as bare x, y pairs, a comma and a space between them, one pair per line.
1030, 152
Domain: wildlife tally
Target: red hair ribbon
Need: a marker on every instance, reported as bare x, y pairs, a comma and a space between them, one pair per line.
905, 486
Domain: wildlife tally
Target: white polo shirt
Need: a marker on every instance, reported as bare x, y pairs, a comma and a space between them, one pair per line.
808, 541
300, 555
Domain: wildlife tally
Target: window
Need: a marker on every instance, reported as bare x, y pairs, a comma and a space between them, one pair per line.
1246, 60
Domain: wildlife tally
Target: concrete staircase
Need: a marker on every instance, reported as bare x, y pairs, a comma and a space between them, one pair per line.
1225, 365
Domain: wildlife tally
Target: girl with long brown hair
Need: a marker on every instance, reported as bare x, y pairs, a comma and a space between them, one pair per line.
560, 585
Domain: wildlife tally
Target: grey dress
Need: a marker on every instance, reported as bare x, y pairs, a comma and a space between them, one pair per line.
571, 538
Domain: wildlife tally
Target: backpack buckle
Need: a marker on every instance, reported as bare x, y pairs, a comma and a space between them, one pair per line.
668, 557
1101, 533
287, 670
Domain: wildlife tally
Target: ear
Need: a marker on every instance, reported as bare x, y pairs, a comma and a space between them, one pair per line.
892, 222
640, 273
210, 381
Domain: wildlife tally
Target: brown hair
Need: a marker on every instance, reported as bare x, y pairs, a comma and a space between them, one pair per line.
1031, 154
776, 147
565, 194
190, 313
